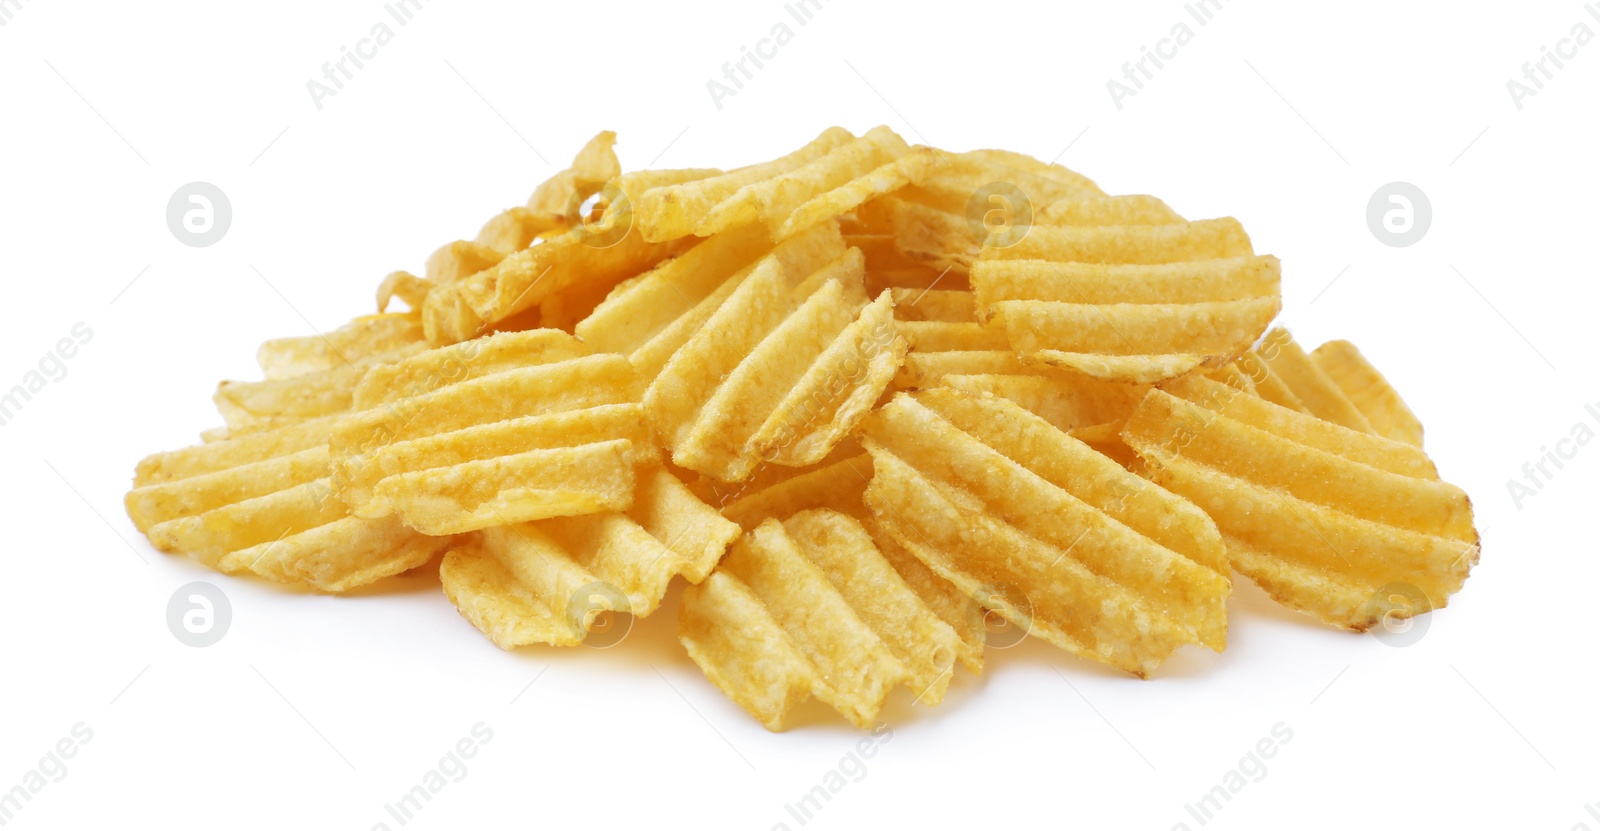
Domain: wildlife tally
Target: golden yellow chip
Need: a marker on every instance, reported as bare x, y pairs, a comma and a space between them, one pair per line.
1069, 402
524, 280
828, 177
960, 201
595, 165
1316, 392
551, 581
809, 607
265, 503
1371, 393
315, 376
1066, 543
1323, 517
359, 339
755, 352
1136, 303
1107, 210
782, 371
552, 210
505, 429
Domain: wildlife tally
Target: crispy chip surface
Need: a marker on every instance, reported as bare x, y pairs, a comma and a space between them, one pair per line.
809, 607
755, 352
1325, 518
550, 581
1137, 303
315, 376
265, 503
1066, 543
501, 430
829, 176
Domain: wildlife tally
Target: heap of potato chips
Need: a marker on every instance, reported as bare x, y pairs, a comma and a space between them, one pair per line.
864, 398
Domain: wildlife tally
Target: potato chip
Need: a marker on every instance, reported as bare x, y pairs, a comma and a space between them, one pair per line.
809, 607
815, 191
1371, 393
838, 484
265, 503
943, 220
511, 428
528, 278
788, 199
1335, 383
552, 210
315, 376
1325, 518
1069, 402
1107, 210
551, 581
1311, 387
944, 338
1136, 303
755, 351
595, 165
781, 371
361, 338
1066, 544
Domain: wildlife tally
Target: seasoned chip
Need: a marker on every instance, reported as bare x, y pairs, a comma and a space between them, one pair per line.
781, 371
1108, 210
265, 503
528, 278
753, 356
595, 165
1069, 545
1069, 402
788, 198
359, 339
1371, 393
1311, 387
315, 376
838, 484
809, 607
944, 338
944, 219
548, 581
1136, 303
505, 429
1321, 516
550, 211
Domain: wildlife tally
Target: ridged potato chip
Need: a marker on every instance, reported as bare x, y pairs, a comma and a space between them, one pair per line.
550, 581
506, 429
1369, 391
838, 484
265, 503
315, 376
550, 211
1137, 303
1067, 544
830, 176
1325, 518
809, 607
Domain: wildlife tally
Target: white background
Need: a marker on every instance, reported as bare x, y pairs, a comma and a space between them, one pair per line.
316, 711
